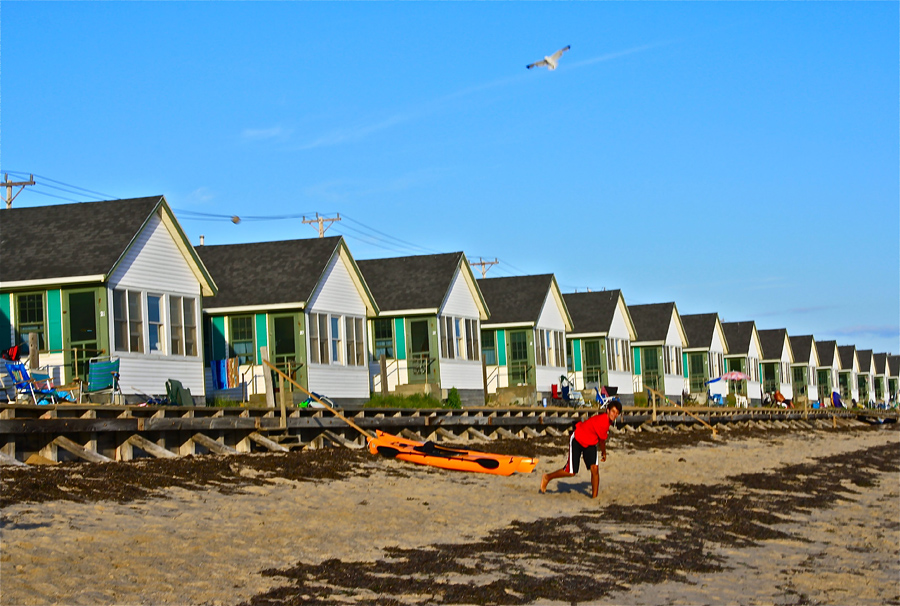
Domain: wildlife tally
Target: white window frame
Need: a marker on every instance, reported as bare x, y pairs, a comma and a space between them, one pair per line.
158, 325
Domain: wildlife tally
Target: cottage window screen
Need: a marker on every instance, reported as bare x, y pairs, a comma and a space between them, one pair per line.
384, 337
356, 349
240, 338
182, 326
336, 339
156, 330
560, 349
30, 318
488, 347
541, 349
447, 338
128, 321
472, 345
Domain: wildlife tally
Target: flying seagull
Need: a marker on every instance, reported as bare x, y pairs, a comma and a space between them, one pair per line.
551, 61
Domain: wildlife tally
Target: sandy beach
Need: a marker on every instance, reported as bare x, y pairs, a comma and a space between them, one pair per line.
805, 514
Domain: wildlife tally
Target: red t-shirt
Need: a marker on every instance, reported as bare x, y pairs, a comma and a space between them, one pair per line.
590, 431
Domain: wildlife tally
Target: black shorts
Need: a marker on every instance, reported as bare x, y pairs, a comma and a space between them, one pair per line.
578, 452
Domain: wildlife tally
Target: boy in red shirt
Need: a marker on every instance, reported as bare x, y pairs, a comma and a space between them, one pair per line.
583, 445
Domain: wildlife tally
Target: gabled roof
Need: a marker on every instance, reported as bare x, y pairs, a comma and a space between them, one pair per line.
82, 242
802, 347
651, 321
893, 366
593, 312
262, 274
700, 329
826, 351
739, 335
881, 360
520, 299
771, 341
419, 283
865, 360
847, 354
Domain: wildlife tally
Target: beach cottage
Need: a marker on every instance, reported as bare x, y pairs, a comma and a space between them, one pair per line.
304, 301
775, 365
599, 345
848, 378
804, 375
428, 327
523, 343
743, 356
704, 358
98, 280
828, 369
866, 378
880, 379
657, 350
893, 373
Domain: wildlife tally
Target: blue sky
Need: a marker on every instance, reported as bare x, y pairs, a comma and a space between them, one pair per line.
740, 158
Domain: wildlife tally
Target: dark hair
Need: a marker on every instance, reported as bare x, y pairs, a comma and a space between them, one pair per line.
615, 404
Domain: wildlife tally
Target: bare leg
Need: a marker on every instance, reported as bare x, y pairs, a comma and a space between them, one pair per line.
559, 473
595, 481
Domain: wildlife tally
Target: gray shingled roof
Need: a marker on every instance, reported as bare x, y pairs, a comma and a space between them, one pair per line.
517, 299
771, 341
881, 363
865, 360
592, 312
66, 240
738, 335
846, 353
802, 347
893, 366
266, 273
700, 329
825, 350
419, 282
651, 321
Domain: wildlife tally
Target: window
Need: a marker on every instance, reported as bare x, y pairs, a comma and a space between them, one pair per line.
182, 326
30, 318
447, 344
128, 320
384, 337
570, 364
592, 361
356, 344
240, 338
488, 347
156, 333
472, 345
560, 349
540, 350
336, 339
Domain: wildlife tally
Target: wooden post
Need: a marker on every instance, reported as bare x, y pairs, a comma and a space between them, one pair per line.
653, 395
382, 362
484, 379
34, 351
267, 377
281, 392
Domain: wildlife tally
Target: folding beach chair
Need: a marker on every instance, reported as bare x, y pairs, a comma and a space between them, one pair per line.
38, 387
103, 378
178, 394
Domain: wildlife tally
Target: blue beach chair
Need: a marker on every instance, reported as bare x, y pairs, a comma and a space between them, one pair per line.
39, 388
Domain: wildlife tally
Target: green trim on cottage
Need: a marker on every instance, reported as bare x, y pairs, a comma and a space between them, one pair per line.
5, 321
262, 334
501, 347
400, 338
54, 320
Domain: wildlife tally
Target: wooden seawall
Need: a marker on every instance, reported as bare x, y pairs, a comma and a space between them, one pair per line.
120, 433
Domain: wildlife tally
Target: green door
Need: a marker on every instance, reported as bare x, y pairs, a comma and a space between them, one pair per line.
520, 368
286, 345
650, 365
81, 331
420, 360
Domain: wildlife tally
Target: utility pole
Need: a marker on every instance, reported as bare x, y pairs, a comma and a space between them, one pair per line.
10, 184
321, 221
485, 265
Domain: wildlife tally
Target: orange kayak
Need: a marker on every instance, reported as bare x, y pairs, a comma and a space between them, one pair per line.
429, 453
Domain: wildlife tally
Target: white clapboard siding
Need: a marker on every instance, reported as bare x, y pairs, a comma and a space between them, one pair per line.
460, 302
623, 380
618, 329
461, 374
337, 381
545, 376
154, 264
551, 317
336, 292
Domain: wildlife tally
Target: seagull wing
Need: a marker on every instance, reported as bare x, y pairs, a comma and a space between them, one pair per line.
555, 56
541, 63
